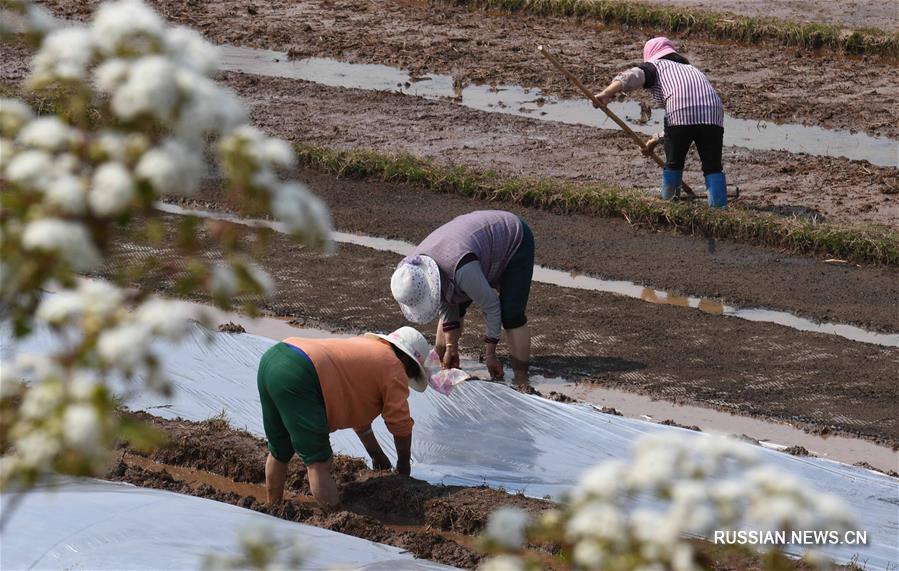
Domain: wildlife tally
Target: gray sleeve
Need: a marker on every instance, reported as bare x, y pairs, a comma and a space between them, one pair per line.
471, 280
631, 79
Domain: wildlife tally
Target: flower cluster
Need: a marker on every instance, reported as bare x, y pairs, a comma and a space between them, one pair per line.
133, 115
639, 515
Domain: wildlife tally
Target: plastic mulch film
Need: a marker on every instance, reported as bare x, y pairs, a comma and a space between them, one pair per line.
487, 433
91, 524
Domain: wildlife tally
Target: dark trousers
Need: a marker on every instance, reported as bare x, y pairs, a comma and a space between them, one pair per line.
708, 138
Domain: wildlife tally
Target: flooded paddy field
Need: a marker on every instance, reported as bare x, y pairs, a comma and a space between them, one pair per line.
756, 82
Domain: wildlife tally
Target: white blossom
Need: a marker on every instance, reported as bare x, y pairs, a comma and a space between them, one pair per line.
164, 317
209, 107
83, 385
13, 115
125, 346
30, 168
68, 239
150, 89
67, 192
37, 449
41, 399
64, 55
48, 133
40, 19
188, 48
607, 480
596, 519
111, 74
112, 189
171, 168
127, 27
588, 553
507, 526
81, 427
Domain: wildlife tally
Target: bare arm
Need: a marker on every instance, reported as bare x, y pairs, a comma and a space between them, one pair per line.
403, 454
275, 476
379, 460
609, 92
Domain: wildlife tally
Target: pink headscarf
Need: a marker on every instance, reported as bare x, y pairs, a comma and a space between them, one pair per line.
657, 48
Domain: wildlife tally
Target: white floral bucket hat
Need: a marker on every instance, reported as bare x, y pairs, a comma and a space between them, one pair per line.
415, 285
411, 342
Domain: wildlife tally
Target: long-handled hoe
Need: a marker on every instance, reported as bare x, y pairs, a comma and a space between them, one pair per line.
624, 126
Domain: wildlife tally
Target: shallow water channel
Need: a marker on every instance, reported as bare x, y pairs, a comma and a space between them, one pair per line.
769, 434
525, 102
619, 287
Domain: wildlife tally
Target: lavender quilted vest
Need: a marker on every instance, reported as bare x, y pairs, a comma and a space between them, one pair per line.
491, 235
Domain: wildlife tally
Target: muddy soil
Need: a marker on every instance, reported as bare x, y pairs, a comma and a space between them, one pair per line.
849, 13
822, 188
818, 188
439, 523
433, 522
756, 369
756, 82
741, 275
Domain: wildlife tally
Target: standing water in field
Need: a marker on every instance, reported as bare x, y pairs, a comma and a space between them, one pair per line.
574, 281
515, 100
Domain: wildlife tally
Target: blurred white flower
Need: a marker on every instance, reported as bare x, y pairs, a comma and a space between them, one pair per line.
61, 307
171, 168
37, 449
125, 346
607, 480
507, 526
13, 115
40, 19
67, 193
112, 189
68, 239
64, 55
164, 317
503, 563
48, 133
30, 168
81, 428
596, 519
83, 385
150, 89
209, 107
127, 27
588, 554
188, 48
111, 74
41, 399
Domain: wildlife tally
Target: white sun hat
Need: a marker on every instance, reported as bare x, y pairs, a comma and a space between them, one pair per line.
415, 285
411, 342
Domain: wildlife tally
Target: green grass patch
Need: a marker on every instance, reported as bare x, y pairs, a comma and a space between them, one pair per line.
860, 243
707, 23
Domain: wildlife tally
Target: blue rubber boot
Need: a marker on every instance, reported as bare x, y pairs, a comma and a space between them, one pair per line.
716, 185
670, 183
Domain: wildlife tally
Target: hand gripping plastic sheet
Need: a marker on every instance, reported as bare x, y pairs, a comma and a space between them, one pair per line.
90, 524
519, 442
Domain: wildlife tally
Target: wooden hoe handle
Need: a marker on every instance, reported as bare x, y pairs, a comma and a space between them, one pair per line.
589, 95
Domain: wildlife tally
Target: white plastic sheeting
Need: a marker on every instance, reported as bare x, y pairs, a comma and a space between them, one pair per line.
90, 524
485, 433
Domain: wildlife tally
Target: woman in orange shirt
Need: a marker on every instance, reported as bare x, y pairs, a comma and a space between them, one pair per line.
311, 387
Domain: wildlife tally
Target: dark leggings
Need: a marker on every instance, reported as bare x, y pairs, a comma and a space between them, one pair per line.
708, 138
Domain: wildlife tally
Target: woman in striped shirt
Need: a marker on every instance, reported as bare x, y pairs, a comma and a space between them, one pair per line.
693, 114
